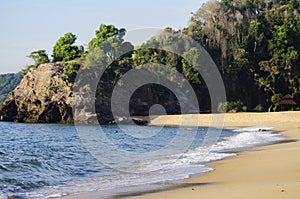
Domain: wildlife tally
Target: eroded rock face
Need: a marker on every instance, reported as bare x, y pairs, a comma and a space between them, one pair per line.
43, 96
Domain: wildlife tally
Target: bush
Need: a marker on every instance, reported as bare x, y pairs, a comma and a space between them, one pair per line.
244, 108
258, 108
70, 71
233, 106
222, 107
39, 57
25, 70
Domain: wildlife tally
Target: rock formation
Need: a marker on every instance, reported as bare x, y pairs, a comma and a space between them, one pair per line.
43, 96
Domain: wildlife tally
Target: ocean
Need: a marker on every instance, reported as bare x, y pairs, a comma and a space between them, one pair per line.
52, 161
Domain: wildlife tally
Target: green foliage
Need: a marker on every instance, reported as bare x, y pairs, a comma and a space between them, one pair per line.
25, 70
106, 32
107, 46
8, 82
222, 107
227, 2
40, 57
232, 107
189, 65
95, 58
258, 108
65, 50
244, 108
71, 70
275, 99
255, 44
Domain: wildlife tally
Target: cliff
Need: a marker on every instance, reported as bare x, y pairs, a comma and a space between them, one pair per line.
43, 96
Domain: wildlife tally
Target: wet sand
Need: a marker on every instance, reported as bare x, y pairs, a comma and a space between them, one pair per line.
265, 172
271, 171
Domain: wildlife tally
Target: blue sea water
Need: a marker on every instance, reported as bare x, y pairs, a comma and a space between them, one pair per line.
48, 160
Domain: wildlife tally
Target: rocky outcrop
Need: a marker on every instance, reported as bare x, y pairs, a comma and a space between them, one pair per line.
43, 96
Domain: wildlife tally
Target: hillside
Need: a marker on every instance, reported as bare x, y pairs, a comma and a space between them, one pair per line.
255, 45
8, 82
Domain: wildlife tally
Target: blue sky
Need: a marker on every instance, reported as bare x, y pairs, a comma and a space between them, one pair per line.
28, 25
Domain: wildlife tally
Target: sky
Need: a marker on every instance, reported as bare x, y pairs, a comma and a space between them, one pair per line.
29, 25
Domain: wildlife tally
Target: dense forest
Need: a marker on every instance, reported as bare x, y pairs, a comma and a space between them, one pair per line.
8, 82
255, 44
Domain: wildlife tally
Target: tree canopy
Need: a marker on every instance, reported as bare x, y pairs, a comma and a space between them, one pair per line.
106, 32
65, 48
256, 45
39, 56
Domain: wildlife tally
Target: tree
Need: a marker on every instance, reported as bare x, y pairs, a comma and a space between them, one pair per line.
71, 70
109, 52
40, 57
105, 32
108, 46
275, 99
65, 50
281, 70
255, 44
190, 63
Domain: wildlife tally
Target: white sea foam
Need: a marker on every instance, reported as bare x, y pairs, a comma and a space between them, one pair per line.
2, 196
175, 167
248, 137
254, 129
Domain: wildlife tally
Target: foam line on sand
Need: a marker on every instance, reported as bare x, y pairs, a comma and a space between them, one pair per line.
271, 171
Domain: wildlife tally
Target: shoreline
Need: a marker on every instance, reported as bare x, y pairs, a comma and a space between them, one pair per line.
270, 171
251, 171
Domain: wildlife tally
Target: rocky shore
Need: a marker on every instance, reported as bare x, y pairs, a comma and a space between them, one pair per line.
45, 95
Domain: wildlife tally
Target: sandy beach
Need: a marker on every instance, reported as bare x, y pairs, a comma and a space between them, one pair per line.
271, 171
265, 172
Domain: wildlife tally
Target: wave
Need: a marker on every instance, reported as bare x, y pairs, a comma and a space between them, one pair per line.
173, 167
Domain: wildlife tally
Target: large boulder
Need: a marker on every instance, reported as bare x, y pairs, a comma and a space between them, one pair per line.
43, 96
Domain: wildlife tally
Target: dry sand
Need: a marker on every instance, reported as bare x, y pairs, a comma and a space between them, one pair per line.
266, 172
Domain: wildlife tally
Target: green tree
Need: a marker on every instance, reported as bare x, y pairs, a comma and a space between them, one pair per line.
71, 70
281, 71
39, 57
108, 51
189, 63
275, 99
255, 44
65, 50
105, 32
108, 46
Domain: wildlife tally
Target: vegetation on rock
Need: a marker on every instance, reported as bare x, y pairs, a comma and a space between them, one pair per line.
255, 44
65, 48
